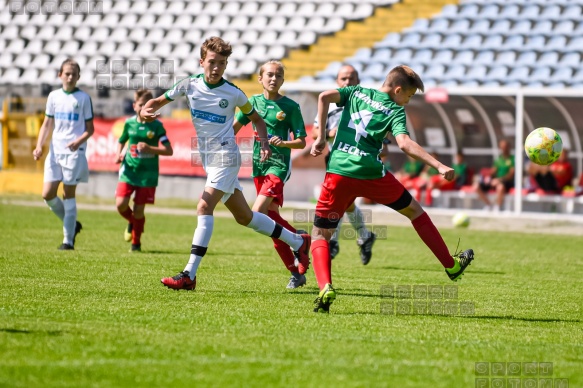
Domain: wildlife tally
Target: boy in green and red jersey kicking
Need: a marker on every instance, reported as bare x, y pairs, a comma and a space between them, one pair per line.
355, 170
282, 117
139, 168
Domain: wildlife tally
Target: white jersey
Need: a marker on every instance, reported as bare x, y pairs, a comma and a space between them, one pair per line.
212, 108
70, 110
334, 115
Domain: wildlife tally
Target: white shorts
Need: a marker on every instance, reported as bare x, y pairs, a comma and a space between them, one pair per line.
225, 179
71, 169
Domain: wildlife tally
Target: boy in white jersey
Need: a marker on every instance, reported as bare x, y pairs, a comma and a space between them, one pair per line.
69, 115
212, 101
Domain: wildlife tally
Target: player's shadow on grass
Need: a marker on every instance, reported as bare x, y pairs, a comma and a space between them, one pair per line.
433, 270
21, 331
513, 318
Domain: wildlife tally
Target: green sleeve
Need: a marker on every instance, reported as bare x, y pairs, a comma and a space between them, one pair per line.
297, 126
242, 118
124, 135
398, 122
345, 94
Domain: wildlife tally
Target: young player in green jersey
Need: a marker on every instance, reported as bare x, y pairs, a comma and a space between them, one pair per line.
347, 76
139, 167
355, 170
212, 101
501, 180
282, 116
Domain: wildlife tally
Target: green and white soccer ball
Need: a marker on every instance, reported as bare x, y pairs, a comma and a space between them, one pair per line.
543, 146
460, 220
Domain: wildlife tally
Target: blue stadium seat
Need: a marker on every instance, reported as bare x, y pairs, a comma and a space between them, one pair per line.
443, 56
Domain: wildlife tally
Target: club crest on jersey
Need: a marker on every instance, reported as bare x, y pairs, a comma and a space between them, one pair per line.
223, 103
280, 115
150, 134
75, 105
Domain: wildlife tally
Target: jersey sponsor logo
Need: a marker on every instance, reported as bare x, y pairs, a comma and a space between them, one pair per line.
280, 115
375, 104
223, 103
350, 149
136, 154
213, 118
67, 116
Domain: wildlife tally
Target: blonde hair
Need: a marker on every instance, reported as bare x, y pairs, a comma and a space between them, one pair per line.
272, 62
69, 61
216, 45
404, 77
141, 94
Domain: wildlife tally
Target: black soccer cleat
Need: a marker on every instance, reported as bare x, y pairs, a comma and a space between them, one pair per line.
366, 248
78, 228
462, 260
66, 247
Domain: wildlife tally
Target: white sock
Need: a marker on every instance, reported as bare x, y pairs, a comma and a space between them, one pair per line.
200, 241
70, 220
266, 226
357, 220
338, 230
56, 205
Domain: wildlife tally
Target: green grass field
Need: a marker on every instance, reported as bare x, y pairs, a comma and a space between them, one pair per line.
99, 317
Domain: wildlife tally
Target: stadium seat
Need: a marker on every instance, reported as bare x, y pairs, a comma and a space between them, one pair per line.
485, 57
316, 23
232, 37
34, 46
158, 7
571, 59
70, 48
183, 21
49, 76
89, 48
267, 9
453, 41
175, 8
22, 60
476, 42
465, 57
506, 58
10, 32
476, 73
108, 48
543, 27
519, 74
430, 41
6, 59
497, 73
439, 25
52, 47
493, 42
155, 35
101, 34
29, 77
10, 75
57, 20
563, 74
444, 56
514, 42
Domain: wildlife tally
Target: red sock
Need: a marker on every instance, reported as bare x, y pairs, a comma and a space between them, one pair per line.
431, 237
275, 216
138, 229
321, 262
285, 253
128, 214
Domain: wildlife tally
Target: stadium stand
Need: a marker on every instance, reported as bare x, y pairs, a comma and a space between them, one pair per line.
142, 29
492, 43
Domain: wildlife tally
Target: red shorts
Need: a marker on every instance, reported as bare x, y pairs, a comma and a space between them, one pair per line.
144, 195
339, 191
270, 186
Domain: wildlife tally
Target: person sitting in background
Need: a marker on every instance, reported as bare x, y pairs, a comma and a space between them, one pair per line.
562, 170
554, 178
437, 182
409, 172
501, 179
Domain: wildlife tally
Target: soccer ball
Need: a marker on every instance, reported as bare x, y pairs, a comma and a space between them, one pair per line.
460, 220
543, 146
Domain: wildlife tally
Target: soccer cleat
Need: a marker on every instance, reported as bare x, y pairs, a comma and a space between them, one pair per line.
136, 248
295, 282
325, 299
462, 260
78, 228
127, 233
66, 247
334, 248
366, 248
303, 254
180, 282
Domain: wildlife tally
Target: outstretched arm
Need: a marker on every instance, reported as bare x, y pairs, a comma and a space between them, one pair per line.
148, 112
411, 148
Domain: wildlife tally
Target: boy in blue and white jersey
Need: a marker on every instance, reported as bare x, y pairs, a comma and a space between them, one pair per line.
212, 101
